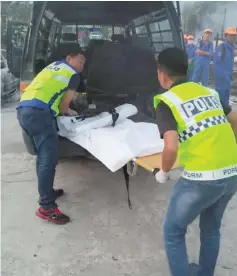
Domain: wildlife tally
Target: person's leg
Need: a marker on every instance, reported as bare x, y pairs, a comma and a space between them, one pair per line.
47, 158
205, 73
188, 200
223, 90
222, 86
39, 125
197, 71
190, 75
210, 223
224, 97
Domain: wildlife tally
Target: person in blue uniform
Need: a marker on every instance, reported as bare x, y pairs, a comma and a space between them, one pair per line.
203, 55
224, 65
190, 49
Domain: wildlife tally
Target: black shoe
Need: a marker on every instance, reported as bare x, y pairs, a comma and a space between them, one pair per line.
52, 215
59, 192
193, 269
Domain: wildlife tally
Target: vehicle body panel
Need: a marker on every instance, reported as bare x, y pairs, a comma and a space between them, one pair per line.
9, 83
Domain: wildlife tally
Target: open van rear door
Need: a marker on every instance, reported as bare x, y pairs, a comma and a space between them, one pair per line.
16, 36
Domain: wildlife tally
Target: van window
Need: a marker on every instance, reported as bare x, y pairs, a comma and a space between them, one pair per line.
161, 35
69, 29
141, 30
2, 64
164, 25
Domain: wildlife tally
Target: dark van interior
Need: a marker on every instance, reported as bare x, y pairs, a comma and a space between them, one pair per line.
121, 41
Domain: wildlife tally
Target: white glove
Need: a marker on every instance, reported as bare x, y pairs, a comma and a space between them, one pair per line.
162, 177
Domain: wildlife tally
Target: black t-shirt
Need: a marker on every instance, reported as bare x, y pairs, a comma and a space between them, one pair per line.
166, 121
74, 82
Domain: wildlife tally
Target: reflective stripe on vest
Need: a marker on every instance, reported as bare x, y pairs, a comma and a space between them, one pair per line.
48, 87
210, 175
207, 141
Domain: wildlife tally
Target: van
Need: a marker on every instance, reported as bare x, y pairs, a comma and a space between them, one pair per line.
9, 83
54, 22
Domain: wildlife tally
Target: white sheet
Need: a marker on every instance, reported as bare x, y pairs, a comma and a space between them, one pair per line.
114, 146
102, 120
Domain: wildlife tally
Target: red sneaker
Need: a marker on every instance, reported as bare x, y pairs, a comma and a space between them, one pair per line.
52, 215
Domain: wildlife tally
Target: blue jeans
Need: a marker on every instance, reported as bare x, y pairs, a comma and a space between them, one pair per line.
189, 200
41, 127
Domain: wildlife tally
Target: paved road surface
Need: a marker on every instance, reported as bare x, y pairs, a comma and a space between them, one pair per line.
105, 237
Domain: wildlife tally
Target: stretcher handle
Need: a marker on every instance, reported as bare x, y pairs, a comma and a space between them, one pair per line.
146, 166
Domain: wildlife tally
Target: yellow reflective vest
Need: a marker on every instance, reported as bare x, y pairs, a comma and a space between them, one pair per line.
208, 149
48, 87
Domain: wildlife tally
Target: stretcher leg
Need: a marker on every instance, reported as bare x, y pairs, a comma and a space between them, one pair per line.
151, 163
127, 182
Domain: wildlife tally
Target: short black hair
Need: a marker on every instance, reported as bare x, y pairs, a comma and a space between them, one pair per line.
72, 49
64, 50
69, 49
173, 61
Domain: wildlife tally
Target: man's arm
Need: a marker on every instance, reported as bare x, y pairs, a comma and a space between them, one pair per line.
168, 131
231, 117
65, 102
170, 151
193, 54
69, 95
203, 53
206, 53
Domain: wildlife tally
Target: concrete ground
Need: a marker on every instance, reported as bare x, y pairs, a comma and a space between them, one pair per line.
105, 237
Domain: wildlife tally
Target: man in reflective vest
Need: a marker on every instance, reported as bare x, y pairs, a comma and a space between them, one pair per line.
49, 95
196, 128
224, 65
202, 59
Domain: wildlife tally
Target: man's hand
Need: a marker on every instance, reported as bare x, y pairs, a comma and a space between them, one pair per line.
190, 61
162, 177
72, 112
207, 53
198, 52
203, 53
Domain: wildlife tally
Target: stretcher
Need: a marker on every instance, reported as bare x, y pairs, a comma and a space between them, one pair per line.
113, 144
116, 141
